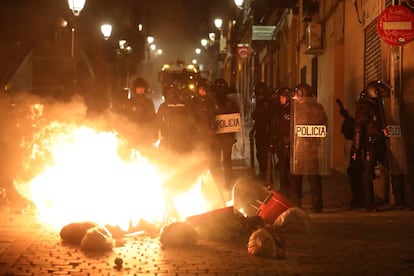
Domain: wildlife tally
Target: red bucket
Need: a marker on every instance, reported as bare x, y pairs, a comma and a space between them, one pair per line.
273, 206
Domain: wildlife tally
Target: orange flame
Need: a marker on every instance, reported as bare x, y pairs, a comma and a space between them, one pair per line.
79, 175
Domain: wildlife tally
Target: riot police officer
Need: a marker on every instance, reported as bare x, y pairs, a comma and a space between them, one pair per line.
281, 138
223, 142
369, 138
309, 124
141, 111
174, 121
203, 116
370, 143
262, 116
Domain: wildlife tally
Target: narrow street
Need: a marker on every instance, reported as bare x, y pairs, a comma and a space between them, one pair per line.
344, 242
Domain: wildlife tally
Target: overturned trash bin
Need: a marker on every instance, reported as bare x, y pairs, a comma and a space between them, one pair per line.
251, 198
273, 206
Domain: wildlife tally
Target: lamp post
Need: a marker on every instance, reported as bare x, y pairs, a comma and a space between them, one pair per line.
76, 7
106, 30
218, 22
150, 41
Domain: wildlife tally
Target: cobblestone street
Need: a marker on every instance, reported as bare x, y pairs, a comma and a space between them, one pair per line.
341, 242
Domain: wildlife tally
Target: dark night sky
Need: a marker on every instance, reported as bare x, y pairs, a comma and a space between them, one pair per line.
177, 25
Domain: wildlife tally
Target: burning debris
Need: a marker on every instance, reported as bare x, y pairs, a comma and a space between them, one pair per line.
178, 234
85, 171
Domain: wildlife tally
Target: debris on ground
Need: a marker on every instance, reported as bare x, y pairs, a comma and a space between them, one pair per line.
179, 234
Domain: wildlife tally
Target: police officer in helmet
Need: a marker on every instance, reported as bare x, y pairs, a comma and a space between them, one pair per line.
281, 138
174, 122
370, 143
141, 111
262, 116
223, 142
203, 114
306, 160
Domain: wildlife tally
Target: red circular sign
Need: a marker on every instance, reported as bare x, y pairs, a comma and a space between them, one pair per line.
395, 25
243, 51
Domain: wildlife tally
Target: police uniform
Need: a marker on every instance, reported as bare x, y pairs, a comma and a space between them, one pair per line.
140, 110
223, 142
203, 119
307, 163
370, 142
262, 116
281, 140
174, 122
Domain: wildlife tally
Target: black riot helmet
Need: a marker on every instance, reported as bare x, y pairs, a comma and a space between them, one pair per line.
304, 90
140, 82
170, 90
261, 90
376, 89
204, 83
220, 86
283, 91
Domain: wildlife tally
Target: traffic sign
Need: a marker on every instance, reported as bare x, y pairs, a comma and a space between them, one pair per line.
243, 50
395, 25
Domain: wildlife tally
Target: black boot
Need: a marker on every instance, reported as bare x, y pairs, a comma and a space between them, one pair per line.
316, 193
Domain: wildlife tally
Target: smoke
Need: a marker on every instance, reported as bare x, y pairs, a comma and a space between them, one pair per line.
22, 115
25, 119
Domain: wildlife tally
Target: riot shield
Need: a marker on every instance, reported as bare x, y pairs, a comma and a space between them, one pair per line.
396, 149
309, 129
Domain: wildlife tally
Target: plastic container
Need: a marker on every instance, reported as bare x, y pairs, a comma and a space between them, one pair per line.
273, 206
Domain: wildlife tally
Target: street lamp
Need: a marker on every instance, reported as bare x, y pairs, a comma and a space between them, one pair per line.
218, 22
150, 39
106, 30
204, 42
239, 3
212, 36
76, 6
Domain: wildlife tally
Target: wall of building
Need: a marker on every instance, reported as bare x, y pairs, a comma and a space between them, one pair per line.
354, 55
340, 72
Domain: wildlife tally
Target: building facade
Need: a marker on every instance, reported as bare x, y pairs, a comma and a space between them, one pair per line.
334, 46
